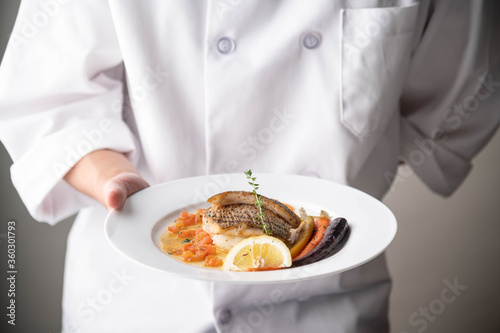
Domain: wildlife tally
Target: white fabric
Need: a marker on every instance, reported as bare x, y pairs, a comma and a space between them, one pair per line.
388, 81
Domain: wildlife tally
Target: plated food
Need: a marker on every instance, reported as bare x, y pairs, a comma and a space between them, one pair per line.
244, 231
136, 230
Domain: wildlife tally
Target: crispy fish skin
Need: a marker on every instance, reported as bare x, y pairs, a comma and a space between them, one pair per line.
240, 219
244, 197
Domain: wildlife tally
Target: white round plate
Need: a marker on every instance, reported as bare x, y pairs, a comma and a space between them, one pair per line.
134, 231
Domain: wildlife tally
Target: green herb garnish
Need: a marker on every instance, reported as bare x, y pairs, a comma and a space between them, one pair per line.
258, 202
187, 240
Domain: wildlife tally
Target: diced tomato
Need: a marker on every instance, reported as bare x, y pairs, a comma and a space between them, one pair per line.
202, 232
184, 220
198, 218
187, 247
180, 223
189, 222
173, 229
172, 250
191, 256
187, 218
211, 249
186, 233
187, 255
200, 245
212, 261
200, 255
202, 237
205, 241
195, 252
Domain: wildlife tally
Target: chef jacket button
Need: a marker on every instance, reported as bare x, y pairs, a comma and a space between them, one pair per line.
225, 45
311, 40
224, 316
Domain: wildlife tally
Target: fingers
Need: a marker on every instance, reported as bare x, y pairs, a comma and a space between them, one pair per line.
120, 187
115, 194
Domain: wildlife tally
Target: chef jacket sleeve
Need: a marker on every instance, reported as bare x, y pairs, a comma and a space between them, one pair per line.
60, 98
451, 101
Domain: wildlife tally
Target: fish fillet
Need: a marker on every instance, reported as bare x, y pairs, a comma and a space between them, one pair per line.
242, 220
248, 198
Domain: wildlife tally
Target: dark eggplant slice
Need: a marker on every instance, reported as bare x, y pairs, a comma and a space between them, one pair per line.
333, 236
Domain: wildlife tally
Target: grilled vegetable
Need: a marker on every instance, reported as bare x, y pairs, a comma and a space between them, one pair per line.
320, 226
304, 231
334, 234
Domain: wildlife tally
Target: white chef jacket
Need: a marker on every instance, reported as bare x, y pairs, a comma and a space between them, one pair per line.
341, 90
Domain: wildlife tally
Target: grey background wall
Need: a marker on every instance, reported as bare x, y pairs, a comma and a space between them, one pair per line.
440, 242
39, 247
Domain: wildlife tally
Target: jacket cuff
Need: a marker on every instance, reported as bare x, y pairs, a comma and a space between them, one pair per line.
38, 174
441, 169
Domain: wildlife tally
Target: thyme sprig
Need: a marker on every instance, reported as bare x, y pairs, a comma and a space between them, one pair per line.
258, 202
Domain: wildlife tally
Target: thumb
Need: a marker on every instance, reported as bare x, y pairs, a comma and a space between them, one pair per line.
120, 187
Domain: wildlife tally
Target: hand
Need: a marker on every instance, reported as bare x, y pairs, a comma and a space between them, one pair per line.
120, 187
106, 176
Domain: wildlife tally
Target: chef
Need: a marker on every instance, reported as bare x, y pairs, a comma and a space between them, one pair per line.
99, 99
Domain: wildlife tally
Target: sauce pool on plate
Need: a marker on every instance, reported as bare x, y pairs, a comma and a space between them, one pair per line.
187, 242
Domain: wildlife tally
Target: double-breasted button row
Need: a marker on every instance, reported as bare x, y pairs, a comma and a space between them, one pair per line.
310, 40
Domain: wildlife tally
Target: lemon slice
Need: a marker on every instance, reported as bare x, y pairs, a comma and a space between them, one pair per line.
258, 253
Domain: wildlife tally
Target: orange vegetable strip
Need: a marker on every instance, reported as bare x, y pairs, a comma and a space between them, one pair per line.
320, 227
259, 269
